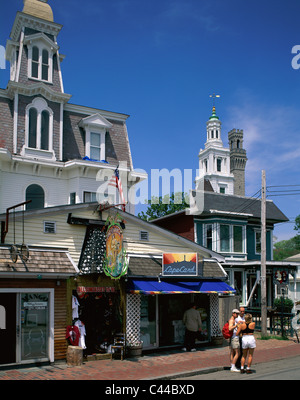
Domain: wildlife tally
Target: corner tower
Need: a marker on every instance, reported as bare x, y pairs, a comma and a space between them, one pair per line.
238, 160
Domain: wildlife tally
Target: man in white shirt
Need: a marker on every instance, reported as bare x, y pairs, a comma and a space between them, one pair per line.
240, 319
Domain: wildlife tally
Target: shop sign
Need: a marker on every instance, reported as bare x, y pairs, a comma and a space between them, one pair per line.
115, 264
281, 277
180, 264
95, 289
35, 305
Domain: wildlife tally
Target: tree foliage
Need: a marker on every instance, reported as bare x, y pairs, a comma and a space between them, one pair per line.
286, 248
161, 206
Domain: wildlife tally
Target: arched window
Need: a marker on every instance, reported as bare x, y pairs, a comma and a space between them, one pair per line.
217, 134
35, 62
32, 127
45, 130
39, 125
36, 194
45, 65
238, 144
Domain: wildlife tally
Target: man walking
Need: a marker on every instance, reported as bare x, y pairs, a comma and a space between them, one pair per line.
193, 324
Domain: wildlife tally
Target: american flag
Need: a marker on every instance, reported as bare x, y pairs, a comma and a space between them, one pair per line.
115, 181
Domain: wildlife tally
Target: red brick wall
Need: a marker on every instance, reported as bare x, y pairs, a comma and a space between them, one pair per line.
182, 225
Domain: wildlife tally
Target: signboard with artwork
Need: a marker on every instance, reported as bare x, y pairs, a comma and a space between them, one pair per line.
116, 263
180, 264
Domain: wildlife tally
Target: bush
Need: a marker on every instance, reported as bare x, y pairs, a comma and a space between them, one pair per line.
287, 303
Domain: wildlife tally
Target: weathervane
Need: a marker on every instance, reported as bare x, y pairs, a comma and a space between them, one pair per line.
214, 96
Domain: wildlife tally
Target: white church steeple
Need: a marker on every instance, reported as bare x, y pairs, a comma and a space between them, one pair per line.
214, 160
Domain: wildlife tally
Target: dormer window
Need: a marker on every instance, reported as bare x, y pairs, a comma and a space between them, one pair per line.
95, 127
40, 57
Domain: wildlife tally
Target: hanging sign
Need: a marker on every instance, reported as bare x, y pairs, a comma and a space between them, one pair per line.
116, 263
281, 277
180, 264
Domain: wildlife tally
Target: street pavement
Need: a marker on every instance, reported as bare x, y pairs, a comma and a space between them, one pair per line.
167, 365
287, 369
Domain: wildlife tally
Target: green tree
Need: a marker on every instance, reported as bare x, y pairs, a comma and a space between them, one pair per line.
297, 224
161, 206
286, 248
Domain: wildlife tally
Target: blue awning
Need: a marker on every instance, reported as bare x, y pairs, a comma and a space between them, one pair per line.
150, 287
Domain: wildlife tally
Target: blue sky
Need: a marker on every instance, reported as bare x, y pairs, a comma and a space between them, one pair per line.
159, 61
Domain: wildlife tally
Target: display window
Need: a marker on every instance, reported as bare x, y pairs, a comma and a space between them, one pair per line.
161, 322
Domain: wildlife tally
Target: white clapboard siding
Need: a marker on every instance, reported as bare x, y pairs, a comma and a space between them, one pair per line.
72, 236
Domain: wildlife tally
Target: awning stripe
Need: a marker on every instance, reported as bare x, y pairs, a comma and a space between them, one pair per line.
152, 287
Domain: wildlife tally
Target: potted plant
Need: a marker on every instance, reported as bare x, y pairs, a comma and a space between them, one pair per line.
134, 348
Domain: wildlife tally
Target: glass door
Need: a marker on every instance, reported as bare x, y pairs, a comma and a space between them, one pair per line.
34, 326
7, 328
148, 323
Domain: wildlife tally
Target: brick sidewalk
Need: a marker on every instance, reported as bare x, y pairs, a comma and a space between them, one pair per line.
153, 366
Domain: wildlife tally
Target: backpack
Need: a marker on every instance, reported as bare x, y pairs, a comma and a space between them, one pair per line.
225, 331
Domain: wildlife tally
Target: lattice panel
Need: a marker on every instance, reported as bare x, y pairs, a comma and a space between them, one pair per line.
133, 313
93, 252
214, 315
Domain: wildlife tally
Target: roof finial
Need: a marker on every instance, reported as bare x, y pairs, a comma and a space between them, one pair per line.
214, 107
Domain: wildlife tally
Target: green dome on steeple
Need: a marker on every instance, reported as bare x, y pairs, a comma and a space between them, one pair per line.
214, 115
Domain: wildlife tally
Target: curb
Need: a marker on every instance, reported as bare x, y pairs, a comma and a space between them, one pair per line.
187, 374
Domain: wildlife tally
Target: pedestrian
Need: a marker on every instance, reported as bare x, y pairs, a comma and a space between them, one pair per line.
234, 343
193, 325
248, 342
240, 319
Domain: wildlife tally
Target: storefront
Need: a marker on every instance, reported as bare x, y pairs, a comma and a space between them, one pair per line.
155, 306
161, 318
28, 319
98, 306
33, 306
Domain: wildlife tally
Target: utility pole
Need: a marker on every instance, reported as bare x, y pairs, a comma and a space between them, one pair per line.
263, 257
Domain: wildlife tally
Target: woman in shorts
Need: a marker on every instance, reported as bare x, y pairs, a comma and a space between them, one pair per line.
248, 342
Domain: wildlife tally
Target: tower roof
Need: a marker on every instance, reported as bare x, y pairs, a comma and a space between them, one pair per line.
38, 8
214, 115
